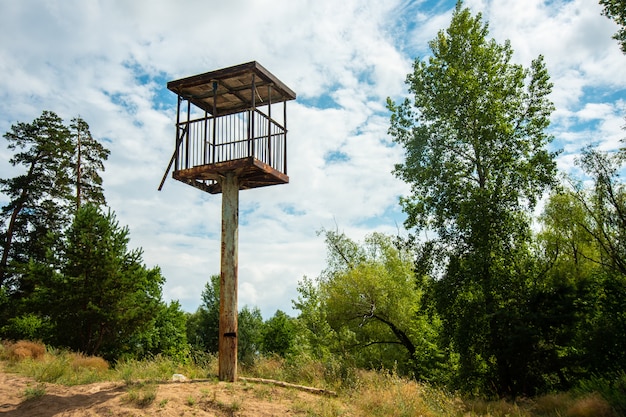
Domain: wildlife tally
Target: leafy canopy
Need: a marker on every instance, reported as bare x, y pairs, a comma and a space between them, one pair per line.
474, 133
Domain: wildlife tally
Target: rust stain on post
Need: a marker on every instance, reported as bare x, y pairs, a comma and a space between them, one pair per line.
228, 278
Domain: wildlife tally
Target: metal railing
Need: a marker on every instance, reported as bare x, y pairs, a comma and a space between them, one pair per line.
210, 140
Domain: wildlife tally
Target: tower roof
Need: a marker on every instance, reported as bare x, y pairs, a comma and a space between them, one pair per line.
232, 89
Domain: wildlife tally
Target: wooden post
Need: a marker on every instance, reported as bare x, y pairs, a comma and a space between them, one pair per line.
228, 279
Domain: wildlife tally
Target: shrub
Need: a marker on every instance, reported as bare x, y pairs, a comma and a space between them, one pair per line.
91, 362
590, 406
612, 388
24, 349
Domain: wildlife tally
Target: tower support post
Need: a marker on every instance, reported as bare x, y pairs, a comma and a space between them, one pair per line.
228, 279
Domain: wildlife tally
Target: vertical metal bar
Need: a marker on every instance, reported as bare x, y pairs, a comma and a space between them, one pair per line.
228, 279
269, 125
214, 116
205, 139
178, 133
285, 136
253, 113
188, 132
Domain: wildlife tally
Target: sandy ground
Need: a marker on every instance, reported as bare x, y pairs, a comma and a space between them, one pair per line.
20, 396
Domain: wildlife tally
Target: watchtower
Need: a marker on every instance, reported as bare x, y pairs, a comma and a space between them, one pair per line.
230, 137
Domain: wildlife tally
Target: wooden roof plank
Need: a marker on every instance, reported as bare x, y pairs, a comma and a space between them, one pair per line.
236, 81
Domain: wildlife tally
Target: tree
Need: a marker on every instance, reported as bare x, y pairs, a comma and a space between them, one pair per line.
371, 292
250, 329
203, 325
475, 141
165, 335
616, 10
95, 292
35, 196
203, 328
605, 206
89, 156
278, 334
56, 159
584, 230
314, 336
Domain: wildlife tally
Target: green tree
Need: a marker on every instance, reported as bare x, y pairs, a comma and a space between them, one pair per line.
35, 197
278, 334
475, 141
88, 159
250, 328
56, 159
376, 297
165, 335
203, 325
584, 230
95, 292
314, 336
605, 206
616, 10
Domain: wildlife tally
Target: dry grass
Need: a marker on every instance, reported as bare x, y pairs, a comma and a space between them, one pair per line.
24, 349
568, 405
78, 360
592, 405
552, 404
382, 394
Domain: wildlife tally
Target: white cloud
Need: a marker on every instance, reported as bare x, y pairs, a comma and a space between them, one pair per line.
108, 62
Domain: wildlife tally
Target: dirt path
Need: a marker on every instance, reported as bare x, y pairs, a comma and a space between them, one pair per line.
20, 396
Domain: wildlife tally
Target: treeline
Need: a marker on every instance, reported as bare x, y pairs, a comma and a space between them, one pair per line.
482, 296
67, 276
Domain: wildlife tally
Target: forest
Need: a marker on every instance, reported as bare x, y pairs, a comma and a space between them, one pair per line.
517, 289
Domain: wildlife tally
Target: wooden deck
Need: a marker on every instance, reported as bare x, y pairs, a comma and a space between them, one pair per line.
251, 173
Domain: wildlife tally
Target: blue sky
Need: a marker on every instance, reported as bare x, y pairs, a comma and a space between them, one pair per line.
109, 61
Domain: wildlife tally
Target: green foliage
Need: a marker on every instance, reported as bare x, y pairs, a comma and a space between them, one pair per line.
203, 325
166, 334
96, 292
88, 161
313, 334
278, 334
37, 196
584, 230
40, 199
611, 387
250, 333
616, 10
605, 207
366, 309
29, 326
474, 134
475, 141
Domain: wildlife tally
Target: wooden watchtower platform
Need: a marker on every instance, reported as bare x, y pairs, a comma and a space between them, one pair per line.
229, 137
233, 126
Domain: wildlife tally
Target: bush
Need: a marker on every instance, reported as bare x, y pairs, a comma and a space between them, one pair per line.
79, 360
24, 349
592, 405
610, 388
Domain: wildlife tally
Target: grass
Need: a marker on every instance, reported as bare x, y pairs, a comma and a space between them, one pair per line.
141, 394
32, 393
361, 393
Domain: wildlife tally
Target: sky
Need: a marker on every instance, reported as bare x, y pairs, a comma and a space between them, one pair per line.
109, 62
